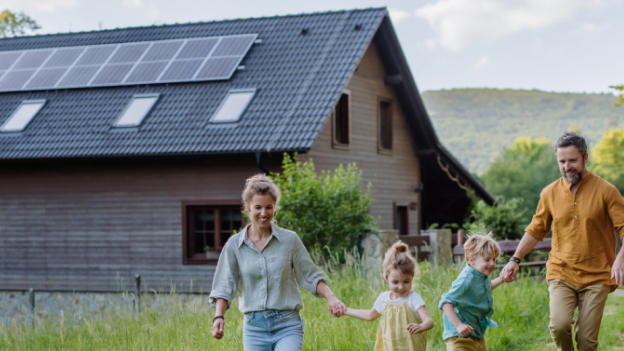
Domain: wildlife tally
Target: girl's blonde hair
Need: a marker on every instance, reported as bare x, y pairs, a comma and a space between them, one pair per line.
399, 257
481, 245
261, 184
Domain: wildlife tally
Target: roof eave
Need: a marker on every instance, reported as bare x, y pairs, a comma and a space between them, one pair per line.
412, 105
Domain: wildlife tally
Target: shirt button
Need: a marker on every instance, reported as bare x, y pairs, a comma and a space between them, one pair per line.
575, 217
575, 203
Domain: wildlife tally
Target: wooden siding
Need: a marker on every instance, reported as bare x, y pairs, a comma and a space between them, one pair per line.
92, 227
394, 176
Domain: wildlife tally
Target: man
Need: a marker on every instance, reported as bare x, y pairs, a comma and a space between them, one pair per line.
582, 268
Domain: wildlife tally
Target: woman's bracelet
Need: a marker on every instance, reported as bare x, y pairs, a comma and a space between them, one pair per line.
218, 317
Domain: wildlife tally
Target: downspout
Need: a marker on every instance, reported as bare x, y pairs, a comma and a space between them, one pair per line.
259, 162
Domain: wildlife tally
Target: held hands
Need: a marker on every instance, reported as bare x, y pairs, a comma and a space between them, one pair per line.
464, 330
217, 328
508, 274
414, 328
336, 307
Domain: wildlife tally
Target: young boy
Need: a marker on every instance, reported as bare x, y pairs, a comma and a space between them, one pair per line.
468, 305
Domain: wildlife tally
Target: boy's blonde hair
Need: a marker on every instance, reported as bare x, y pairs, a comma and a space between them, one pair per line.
481, 245
399, 257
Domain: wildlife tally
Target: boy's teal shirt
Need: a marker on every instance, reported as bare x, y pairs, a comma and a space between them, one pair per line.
472, 300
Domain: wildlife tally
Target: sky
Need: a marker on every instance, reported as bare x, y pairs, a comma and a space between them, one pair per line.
549, 45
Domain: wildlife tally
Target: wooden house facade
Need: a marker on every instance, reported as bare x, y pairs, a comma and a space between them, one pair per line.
87, 202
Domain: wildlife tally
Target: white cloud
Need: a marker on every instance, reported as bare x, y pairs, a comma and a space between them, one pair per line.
589, 27
397, 15
481, 62
49, 6
150, 10
458, 23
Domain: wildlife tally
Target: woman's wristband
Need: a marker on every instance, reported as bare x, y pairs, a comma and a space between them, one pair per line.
218, 317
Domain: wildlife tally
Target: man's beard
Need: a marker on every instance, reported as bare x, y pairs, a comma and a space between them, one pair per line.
574, 179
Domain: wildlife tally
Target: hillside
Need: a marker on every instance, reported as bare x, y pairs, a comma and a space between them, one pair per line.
475, 124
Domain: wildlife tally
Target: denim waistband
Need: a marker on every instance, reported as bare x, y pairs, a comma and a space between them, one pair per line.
271, 313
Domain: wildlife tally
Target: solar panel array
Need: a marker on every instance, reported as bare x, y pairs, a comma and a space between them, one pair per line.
148, 62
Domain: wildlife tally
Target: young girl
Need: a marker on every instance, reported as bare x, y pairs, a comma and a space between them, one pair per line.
404, 317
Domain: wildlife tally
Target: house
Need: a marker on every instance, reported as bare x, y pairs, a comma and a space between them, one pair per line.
125, 151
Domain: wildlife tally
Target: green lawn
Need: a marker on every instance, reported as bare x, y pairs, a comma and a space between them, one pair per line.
521, 313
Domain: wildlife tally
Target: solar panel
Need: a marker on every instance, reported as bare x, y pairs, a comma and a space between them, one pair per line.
32, 59
46, 78
149, 62
64, 57
7, 59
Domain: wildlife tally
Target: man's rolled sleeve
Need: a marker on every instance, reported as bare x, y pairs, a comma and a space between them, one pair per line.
615, 207
225, 282
540, 225
307, 273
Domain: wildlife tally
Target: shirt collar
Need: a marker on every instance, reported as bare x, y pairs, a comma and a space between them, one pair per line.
583, 180
473, 271
275, 232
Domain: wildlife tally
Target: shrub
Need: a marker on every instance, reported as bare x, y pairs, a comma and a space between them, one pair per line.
328, 209
504, 219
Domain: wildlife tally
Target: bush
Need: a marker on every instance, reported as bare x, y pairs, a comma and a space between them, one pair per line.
329, 209
504, 219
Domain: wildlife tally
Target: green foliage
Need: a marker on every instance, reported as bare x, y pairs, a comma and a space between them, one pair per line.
521, 311
475, 124
16, 24
522, 171
504, 219
327, 210
621, 96
607, 158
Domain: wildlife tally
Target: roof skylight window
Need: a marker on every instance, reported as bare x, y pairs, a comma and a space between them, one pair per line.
233, 106
136, 111
22, 116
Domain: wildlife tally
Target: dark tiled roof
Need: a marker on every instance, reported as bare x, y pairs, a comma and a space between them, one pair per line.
299, 78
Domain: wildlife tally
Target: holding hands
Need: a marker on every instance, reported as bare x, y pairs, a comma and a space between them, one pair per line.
336, 307
508, 274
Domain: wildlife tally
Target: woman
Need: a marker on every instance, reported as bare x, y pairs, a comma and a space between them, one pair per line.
268, 264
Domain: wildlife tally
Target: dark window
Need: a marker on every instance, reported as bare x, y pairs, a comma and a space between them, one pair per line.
401, 220
385, 125
341, 120
207, 229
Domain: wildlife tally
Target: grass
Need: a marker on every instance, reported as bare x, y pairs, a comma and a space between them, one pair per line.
521, 313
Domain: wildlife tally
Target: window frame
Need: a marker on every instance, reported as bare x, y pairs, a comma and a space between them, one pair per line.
40, 102
336, 144
134, 98
252, 91
187, 207
382, 149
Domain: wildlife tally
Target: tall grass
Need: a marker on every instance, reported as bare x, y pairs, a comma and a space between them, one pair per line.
521, 313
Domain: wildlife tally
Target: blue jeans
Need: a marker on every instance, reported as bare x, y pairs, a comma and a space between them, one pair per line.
273, 330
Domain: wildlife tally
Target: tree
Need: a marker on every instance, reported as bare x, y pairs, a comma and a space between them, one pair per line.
522, 171
621, 96
16, 24
607, 158
328, 209
504, 219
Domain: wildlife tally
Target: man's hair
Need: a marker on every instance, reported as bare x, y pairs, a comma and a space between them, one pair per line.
571, 138
482, 245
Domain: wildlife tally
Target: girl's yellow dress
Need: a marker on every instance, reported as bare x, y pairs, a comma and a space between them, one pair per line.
392, 333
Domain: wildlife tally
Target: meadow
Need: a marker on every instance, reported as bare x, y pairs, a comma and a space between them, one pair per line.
521, 311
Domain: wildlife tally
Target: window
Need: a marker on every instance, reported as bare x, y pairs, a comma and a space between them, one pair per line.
233, 106
342, 121
385, 125
137, 109
22, 116
400, 222
206, 229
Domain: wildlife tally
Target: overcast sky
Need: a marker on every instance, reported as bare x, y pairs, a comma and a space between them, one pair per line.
552, 45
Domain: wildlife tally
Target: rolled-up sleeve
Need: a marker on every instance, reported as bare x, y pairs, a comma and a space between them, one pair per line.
225, 282
615, 207
540, 225
308, 274
454, 294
